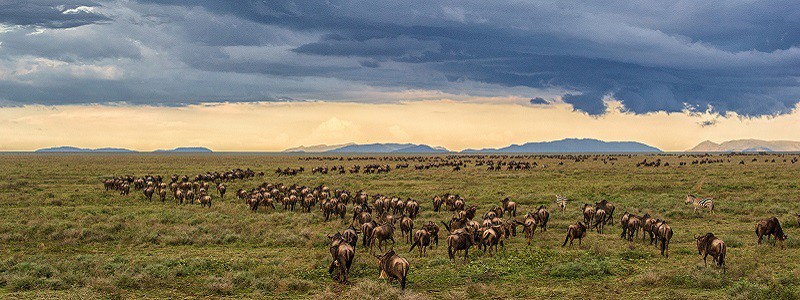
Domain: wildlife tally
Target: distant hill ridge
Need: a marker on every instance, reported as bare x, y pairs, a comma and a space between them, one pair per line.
747, 145
71, 149
572, 146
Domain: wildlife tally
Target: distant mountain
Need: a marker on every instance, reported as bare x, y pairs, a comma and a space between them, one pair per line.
317, 148
572, 146
186, 150
70, 149
747, 145
388, 148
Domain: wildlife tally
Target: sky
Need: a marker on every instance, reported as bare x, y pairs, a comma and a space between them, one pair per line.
269, 75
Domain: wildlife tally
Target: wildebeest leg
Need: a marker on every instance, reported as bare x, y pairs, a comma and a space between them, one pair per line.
466, 254
705, 263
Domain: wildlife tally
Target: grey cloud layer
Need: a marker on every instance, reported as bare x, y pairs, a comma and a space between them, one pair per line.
651, 55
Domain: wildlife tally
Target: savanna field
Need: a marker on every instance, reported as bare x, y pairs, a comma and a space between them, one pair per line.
62, 235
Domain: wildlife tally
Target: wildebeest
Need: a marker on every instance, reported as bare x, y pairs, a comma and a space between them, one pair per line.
343, 255
770, 227
608, 207
221, 189
576, 231
624, 224
382, 233
509, 206
433, 229
664, 235
588, 214
491, 237
529, 226
542, 217
634, 223
406, 228
458, 240
366, 231
599, 220
148, 193
422, 240
709, 244
205, 200
437, 203
350, 235
162, 193
393, 267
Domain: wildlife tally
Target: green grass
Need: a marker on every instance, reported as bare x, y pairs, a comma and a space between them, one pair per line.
63, 236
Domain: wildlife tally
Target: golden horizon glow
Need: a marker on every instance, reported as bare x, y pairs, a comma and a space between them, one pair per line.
455, 125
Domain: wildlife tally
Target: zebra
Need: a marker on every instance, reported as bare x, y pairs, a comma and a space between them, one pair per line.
561, 201
707, 203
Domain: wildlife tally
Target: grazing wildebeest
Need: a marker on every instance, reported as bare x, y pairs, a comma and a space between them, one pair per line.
770, 227
393, 267
382, 233
588, 214
599, 220
343, 255
577, 231
509, 206
529, 226
697, 202
709, 244
664, 235
461, 239
422, 240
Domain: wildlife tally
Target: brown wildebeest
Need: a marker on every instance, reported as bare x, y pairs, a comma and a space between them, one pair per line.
577, 231
770, 227
588, 214
392, 266
422, 240
433, 229
148, 193
634, 223
412, 208
542, 216
648, 228
189, 197
366, 230
624, 224
492, 237
664, 235
406, 228
350, 235
709, 244
382, 233
437, 203
205, 200
343, 255
509, 206
178, 196
608, 207
461, 239
162, 193
599, 220
221, 189
529, 226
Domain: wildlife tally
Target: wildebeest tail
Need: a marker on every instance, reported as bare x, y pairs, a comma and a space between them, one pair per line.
446, 226
413, 245
565, 240
723, 251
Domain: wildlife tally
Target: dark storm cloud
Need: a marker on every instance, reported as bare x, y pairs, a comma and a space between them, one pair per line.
49, 14
539, 100
650, 55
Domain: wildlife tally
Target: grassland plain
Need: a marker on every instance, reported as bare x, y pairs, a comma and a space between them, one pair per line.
63, 236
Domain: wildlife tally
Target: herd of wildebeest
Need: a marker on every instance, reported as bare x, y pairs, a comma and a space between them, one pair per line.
376, 217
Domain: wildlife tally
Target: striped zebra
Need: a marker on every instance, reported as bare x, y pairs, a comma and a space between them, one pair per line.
707, 203
561, 201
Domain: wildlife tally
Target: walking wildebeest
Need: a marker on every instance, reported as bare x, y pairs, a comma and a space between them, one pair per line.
664, 234
770, 227
709, 244
588, 214
542, 216
576, 231
599, 220
393, 267
624, 224
529, 226
406, 228
433, 229
634, 223
343, 255
509, 206
382, 233
608, 207
461, 239
350, 235
422, 240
